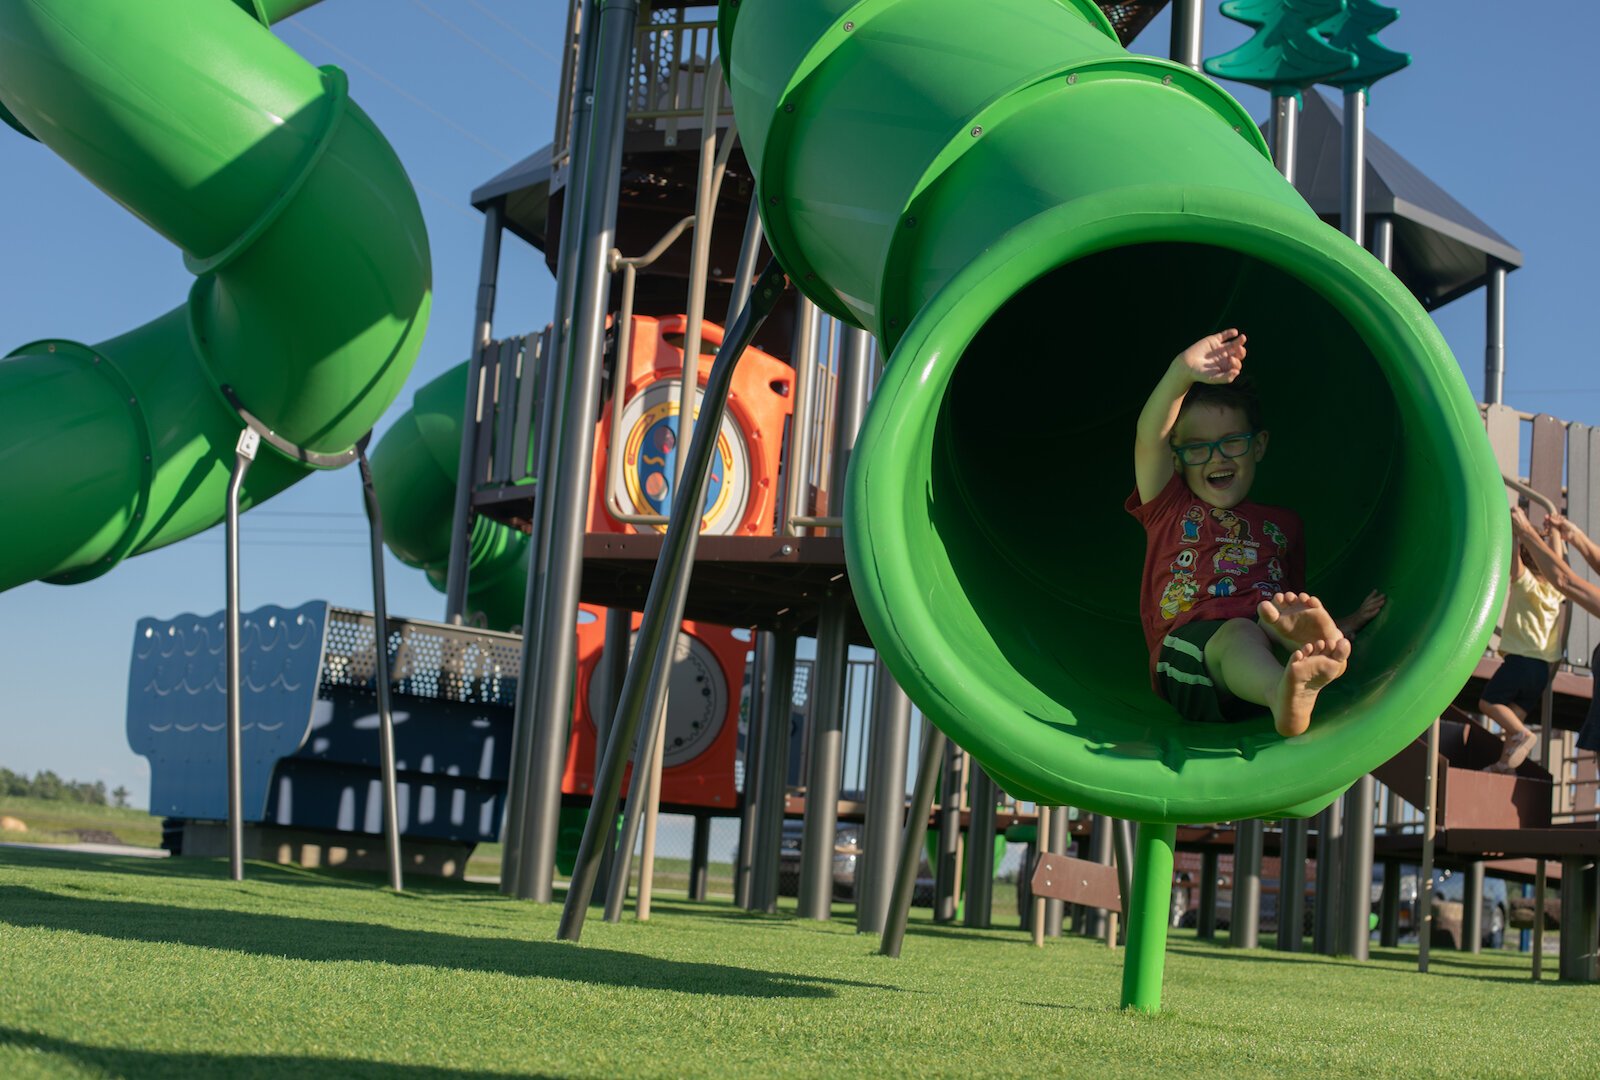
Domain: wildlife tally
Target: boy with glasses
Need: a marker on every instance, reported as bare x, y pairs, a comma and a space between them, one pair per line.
1215, 606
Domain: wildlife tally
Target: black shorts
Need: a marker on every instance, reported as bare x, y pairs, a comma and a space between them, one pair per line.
1520, 681
1184, 680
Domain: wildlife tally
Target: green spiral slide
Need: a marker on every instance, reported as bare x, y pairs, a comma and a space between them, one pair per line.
1035, 221
312, 289
414, 473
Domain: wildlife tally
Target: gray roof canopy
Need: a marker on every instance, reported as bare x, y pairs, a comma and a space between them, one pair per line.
1442, 250
525, 189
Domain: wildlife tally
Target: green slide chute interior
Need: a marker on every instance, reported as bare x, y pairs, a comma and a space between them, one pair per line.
1035, 221
313, 277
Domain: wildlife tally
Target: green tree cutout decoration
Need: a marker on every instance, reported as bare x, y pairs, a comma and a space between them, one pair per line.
1288, 52
1356, 30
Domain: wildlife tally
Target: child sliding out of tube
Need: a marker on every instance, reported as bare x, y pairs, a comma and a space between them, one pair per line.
1228, 631
1530, 644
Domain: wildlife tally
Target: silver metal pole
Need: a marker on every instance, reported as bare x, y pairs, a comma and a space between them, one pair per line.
380, 644
1353, 206
547, 702
980, 850
1041, 847
639, 797
461, 513
774, 774
1095, 923
1285, 134
749, 253
1357, 899
1292, 885
699, 266
1206, 918
911, 841
1244, 928
1188, 27
550, 416
1494, 351
755, 735
947, 873
825, 762
244, 453
650, 668
886, 801
1383, 240
797, 498
614, 666
1472, 908
1328, 928
1060, 841
1423, 917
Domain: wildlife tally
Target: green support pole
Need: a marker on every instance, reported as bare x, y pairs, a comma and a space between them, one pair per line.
1147, 917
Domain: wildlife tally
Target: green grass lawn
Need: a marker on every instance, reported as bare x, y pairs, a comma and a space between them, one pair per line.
127, 967
56, 821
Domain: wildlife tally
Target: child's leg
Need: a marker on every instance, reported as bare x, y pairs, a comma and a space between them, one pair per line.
1239, 656
1296, 619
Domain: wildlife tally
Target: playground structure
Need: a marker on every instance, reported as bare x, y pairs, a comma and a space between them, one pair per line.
1096, 740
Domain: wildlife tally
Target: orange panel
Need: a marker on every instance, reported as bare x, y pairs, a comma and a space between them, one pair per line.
702, 721
743, 494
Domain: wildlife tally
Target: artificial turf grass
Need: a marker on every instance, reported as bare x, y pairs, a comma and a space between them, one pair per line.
124, 967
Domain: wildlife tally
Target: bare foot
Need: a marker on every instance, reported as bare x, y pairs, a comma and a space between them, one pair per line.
1297, 619
1312, 667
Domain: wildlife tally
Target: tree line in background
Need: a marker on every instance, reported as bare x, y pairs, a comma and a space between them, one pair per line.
47, 785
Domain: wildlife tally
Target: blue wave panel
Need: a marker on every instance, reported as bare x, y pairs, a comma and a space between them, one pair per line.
178, 705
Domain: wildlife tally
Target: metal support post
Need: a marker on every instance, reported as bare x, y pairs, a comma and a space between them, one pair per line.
947, 871
1188, 27
549, 643
547, 454
380, 643
1389, 905
749, 254
1353, 207
613, 666
1472, 908
1541, 891
1205, 919
244, 453
916, 831
1122, 845
825, 761
1244, 927
755, 737
1328, 928
1494, 348
700, 857
887, 751
980, 850
461, 516
1041, 847
1292, 885
1580, 933
644, 812
1142, 966
1424, 915
1284, 129
699, 260
1356, 904
1060, 841
1095, 923
649, 670
774, 767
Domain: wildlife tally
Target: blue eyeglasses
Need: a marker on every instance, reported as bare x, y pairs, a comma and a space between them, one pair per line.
1229, 446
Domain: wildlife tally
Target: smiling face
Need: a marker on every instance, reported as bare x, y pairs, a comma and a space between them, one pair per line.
1221, 482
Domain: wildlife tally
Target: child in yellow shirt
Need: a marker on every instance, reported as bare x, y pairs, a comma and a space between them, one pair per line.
1531, 644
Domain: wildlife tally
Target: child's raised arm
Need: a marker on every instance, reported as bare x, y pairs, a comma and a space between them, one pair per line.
1566, 530
1553, 567
1216, 358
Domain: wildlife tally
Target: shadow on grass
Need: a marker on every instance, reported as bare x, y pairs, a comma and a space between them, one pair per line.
1448, 965
117, 1061
322, 940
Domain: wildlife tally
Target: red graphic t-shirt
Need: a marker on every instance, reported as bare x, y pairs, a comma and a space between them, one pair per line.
1203, 562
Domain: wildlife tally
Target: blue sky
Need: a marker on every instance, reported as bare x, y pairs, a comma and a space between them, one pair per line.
1491, 109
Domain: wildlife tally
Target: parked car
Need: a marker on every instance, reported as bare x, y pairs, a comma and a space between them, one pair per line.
1186, 903
1449, 890
846, 853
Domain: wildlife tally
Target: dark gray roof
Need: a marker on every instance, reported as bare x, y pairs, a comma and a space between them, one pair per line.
525, 190
1442, 249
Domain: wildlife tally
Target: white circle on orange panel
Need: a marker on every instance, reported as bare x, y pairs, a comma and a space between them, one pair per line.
697, 701
650, 453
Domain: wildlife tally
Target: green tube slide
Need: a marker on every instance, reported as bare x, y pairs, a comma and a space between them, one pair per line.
1035, 221
414, 473
312, 289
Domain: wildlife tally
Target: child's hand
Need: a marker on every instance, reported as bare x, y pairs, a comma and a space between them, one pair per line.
1520, 522
1561, 526
1217, 358
1364, 614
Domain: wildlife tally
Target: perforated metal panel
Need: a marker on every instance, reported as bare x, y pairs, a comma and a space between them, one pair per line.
427, 659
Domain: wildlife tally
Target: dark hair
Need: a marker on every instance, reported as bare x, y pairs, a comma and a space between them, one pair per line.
1239, 394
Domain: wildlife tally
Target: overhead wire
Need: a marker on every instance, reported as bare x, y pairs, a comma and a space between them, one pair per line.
481, 47
400, 90
513, 31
